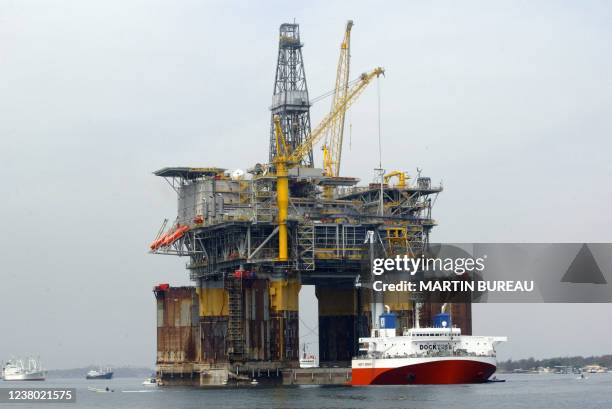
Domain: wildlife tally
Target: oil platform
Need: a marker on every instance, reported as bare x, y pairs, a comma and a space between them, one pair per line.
253, 238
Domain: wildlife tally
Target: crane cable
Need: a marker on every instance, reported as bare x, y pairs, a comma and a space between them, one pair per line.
330, 93
379, 125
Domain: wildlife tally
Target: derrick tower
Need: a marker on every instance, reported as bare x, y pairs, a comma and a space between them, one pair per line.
290, 99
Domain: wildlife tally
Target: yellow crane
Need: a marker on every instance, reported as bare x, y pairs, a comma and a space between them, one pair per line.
332, 149
285, 159
401, 177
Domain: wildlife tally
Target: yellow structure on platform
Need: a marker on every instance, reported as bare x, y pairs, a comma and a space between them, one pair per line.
332, 149
401, 176
213, 301
285, 159
284, 295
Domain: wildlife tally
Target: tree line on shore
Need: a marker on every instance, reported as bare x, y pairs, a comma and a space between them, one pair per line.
575, 361
118, 372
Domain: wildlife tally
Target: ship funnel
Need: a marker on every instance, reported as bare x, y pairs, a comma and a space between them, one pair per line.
442, 320
387, 324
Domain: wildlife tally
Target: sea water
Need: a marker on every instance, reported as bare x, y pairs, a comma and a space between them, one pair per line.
519, 391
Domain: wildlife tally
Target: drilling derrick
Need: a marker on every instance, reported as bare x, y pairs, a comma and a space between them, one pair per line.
290, 98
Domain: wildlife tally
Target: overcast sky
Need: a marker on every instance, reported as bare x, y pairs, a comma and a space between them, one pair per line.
507, 103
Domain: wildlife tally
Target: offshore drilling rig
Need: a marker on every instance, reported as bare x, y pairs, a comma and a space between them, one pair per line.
252, 239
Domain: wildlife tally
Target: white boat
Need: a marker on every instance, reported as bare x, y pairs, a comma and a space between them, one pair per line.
28, 369
594, 369
100, 390
150, 382
308, 360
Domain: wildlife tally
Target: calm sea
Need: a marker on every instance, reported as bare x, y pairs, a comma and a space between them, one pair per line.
520, 391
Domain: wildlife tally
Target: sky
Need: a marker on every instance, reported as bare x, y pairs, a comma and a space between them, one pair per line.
507, 104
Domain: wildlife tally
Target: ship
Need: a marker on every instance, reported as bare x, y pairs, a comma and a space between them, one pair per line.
99, 374
307, 360
150, 381
29, 369
439, 354
595, 369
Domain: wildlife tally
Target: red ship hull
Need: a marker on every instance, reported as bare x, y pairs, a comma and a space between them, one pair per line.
450, 371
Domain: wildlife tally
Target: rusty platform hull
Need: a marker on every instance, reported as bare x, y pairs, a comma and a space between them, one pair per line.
220, 375
269, 374
340, 376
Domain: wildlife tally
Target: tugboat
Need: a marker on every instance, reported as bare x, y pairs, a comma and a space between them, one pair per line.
432, 355
100, 374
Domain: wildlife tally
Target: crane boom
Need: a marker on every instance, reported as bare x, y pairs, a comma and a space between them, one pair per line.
341, 106
335, 134
283, 160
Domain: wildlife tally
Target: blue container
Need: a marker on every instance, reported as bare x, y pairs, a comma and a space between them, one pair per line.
442, 320
387, 320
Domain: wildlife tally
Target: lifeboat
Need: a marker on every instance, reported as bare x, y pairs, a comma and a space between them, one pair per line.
169, 238
177, 234
155, 245
180, 233
174, 237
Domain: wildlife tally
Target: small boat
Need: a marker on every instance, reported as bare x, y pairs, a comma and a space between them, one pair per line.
151, 381
495, 379
254, 382
100, 390
594, 369
307, 360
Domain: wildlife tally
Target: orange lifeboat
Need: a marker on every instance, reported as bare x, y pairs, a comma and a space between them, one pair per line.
155, 245
170, 237
177, 234
166, 240
180, 233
